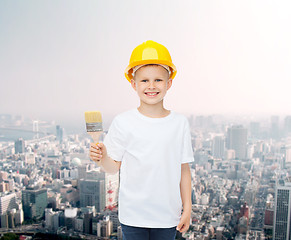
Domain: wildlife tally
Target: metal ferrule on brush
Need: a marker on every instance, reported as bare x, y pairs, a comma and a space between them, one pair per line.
94, 127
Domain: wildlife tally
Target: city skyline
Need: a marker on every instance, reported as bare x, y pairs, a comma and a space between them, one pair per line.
60, 59
234, 182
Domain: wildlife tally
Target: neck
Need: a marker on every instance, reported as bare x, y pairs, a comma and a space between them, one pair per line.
154, 111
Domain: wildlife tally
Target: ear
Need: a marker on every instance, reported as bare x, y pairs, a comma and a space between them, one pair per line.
133, 84
169, 84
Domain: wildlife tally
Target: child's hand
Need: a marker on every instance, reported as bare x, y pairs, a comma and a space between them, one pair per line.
98, 152
184, 223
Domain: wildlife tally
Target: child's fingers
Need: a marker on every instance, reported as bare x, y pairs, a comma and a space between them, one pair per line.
179, 226
94, 146
102, 148
100, 145
95, 150
97, 146
95, 156
184, 228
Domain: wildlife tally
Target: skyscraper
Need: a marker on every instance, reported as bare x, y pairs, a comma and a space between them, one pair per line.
7, 202
60, 133
19, 146
34, 202
92, 193
35, 129
287, 125
274, 129
237, 140
218, 147
282, 224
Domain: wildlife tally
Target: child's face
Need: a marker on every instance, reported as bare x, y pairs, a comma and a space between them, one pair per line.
151, 83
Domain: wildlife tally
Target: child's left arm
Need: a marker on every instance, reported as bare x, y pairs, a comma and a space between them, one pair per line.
185, 189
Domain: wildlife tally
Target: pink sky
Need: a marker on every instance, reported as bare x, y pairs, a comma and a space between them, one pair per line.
59, 59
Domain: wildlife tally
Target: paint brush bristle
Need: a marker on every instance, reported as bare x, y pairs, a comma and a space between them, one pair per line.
93, 121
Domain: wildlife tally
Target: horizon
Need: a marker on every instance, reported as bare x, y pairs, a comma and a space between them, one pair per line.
77, 126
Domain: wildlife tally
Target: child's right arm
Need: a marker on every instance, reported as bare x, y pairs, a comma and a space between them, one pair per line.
99, 153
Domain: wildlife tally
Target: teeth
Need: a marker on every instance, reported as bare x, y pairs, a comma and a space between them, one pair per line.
152, 94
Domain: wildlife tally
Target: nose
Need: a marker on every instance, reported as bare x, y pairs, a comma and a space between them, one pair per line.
151, 84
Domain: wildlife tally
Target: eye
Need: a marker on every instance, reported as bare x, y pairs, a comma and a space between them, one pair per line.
144, 80
159, 80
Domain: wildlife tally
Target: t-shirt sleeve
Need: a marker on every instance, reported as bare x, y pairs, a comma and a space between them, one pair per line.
187, 150
115, 141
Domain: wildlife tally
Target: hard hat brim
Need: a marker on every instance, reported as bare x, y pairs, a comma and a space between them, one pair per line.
128, 70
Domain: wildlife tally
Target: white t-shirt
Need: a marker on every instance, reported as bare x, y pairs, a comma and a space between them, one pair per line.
152, 151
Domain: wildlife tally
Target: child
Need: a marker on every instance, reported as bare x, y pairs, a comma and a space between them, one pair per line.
152, 148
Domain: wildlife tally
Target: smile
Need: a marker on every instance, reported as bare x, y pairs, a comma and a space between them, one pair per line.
152, 94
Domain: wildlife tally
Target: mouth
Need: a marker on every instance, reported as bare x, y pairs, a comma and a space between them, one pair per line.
151, 94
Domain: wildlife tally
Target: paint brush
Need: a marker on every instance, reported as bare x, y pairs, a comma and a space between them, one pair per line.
94, 125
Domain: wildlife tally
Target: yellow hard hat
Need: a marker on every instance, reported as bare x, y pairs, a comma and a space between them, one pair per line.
150, 52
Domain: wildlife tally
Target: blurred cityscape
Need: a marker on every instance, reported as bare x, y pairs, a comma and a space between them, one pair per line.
241, 181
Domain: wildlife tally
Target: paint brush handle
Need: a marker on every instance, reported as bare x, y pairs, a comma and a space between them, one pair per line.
95, 136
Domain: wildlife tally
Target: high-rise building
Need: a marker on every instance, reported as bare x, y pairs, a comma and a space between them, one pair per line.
282, 217
7, 202
218, 147
244, 212
119, 233
19, 145
111, 183
274, 129
82, 171
88, 222
287, 154
70, 217
11, 218
286, 151
79, 224
269, 216
35, 129
52, 219
237, 140
34, 202
4, 221
10, 211
60, 133
287, 125
106, 227
92, 193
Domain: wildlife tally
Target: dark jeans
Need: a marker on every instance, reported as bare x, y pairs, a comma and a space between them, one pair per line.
140, 233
